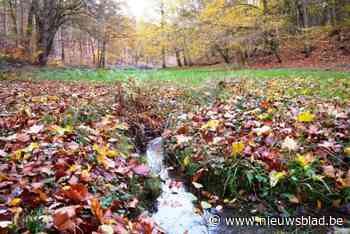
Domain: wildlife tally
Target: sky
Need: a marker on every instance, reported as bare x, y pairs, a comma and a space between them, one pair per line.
140, 8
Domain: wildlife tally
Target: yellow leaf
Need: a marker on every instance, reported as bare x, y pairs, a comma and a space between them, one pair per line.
212, 125
305, 117
101, 159
15, 202
112, 153
18, 155
237, 148
304, 160
62, 131
73, 168
187, 161
319, 204
32, 147
347, 151
276, 177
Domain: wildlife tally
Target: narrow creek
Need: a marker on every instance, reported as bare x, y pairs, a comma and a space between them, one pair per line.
176, 213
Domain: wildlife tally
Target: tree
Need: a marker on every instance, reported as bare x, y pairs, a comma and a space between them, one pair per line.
50, 15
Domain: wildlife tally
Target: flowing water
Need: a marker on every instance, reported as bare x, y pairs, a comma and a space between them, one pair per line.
176, 213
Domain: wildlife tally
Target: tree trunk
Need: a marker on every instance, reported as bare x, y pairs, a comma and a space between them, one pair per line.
63, 55
302, 7
5, 19
46, 36
29, 30
223, 53
102, 55
13, 11
163, 58
178, 57
185, 60
265, 6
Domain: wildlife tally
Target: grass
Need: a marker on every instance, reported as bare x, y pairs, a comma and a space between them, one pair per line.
185, 77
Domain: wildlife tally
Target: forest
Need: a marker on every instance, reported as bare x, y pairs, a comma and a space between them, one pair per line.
174, 116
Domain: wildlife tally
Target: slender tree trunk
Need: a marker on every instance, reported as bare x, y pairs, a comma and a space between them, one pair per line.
30, 25
265, 6
81, 51
22, 20
305, 13
93, 51
223, 53
13, 14
63, 55
185, 59
5, 19
162, 11
178, 57
163, 58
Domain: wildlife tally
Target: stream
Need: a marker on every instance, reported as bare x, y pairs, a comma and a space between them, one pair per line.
176, 213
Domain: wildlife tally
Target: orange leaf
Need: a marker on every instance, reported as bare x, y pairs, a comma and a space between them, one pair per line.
97, 210
63, 218
77, 193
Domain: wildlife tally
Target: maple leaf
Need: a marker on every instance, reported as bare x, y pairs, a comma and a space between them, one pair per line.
290, 144
305, 117
237, 148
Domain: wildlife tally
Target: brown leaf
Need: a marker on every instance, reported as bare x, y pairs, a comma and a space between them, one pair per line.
77, 193
23, 137
63, 218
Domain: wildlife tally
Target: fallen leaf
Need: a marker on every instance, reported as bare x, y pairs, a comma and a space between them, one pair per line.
63, 218
290, 144
97, 210
142, 170
5, 224
77, 193
329, 171
197, 185
15, 202
305, 117
347, 151
212, 125
265, 130
35, 129
237, 148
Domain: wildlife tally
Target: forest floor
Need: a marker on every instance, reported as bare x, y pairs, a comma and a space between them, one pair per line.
72, 144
